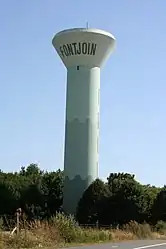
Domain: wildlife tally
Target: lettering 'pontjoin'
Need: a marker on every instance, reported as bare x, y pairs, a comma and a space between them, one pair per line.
78, 48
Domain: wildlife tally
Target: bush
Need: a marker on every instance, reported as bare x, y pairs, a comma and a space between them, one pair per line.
67, 226
160, 227
93, 236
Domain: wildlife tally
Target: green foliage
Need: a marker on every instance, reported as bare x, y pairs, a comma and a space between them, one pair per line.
119, 201
160, 227
115, 202
67, 227
125, 194
159, 206
92, 202
38, 193
52, 186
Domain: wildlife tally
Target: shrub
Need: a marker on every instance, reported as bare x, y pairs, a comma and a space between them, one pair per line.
93, 235
67, 226
161, 227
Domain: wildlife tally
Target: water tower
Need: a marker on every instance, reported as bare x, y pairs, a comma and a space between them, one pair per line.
83, 52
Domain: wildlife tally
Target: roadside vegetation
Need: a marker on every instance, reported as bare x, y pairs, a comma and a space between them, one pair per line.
63, 231
119, 209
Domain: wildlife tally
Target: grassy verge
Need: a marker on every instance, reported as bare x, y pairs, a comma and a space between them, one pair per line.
62, 231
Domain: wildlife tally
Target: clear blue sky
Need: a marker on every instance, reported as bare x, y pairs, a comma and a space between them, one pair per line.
133, 85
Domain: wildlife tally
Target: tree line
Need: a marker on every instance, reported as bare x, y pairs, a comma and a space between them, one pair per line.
117, 201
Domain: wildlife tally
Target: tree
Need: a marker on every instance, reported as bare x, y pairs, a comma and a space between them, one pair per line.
147, 201
124, 203
31, 170
89, 208
115, 202
7, 199
159, 206
52, 185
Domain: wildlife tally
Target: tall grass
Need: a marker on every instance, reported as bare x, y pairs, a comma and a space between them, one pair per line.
62, 230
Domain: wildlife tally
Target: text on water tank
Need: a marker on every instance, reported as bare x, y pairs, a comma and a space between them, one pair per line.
78, 48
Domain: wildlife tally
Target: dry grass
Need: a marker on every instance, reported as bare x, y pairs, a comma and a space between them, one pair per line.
65, 231
120, 235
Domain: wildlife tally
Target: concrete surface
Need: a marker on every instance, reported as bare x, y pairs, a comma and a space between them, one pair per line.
137, 244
